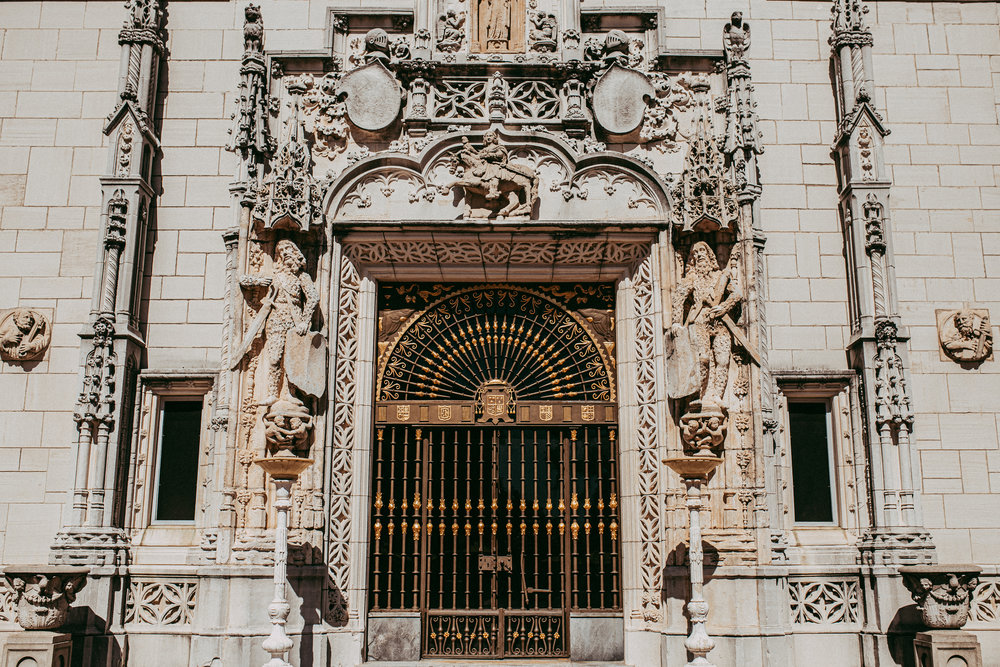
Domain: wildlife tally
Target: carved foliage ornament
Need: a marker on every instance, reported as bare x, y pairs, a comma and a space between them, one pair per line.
290, 196
25, 334
647, 437
705, 197
942, 592
44, 594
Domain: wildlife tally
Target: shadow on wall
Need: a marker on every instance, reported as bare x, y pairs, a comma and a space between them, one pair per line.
900, 634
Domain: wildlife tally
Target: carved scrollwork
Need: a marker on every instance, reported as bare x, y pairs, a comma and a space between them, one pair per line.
160, 602
647, 441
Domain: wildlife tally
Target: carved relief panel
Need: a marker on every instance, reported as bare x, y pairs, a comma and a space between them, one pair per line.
497, 26
965, 335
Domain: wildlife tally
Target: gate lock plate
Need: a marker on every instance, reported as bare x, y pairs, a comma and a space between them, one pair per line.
496, 563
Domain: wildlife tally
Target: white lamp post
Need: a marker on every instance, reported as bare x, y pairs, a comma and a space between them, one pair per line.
695, 470
284, 470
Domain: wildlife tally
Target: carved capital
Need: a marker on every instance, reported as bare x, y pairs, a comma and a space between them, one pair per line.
44, 593
942, 592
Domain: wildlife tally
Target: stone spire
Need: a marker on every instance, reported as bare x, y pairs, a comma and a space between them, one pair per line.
878, 347
112, 348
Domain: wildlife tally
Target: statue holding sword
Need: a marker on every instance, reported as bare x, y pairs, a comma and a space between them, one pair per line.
702, 332
285, 319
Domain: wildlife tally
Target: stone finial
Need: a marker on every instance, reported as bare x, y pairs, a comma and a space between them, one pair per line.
848, 23
736, 38
25, 334
942, 592
44, 593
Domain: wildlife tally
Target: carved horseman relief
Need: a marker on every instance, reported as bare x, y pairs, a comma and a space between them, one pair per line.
507, 189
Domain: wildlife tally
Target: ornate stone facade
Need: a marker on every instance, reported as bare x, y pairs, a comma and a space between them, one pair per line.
679, 163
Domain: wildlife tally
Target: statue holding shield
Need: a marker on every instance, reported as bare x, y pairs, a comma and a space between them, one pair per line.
291, 350
700, 344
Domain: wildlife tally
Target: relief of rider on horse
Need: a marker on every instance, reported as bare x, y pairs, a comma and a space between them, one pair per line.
488, 172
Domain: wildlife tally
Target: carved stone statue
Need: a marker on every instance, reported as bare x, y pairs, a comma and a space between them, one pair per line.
452, 31
701, 322
24, 335
253, 29
495, 20
736, 38
285, 316
376, 45
545, 31
287, 425
489, 172
966, 335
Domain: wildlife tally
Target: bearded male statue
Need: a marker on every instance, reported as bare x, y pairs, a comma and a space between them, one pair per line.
700, 342
284, 318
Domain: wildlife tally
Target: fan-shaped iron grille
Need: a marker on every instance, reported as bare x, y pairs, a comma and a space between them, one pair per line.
511, 334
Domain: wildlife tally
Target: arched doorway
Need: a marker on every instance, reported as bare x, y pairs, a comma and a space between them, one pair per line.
495, 464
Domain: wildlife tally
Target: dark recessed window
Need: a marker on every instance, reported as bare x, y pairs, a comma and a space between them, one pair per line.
177, 460
812, 472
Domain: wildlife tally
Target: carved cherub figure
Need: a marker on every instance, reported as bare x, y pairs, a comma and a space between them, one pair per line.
543, 34
452, 30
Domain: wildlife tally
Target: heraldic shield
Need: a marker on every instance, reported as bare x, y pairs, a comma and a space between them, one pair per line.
683, 378
305, 362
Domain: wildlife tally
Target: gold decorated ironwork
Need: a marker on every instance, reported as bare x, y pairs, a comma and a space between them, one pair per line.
531, 341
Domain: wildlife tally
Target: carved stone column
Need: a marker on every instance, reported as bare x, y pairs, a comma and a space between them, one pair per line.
113, 344
878, 343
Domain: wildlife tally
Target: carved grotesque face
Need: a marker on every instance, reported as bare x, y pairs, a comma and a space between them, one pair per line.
490, 138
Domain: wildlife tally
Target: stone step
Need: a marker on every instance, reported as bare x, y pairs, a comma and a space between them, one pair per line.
542, 662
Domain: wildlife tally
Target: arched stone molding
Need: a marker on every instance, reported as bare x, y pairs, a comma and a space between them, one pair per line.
597, 186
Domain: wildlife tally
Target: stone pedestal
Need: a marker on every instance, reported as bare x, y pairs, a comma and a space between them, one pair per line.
947, 648
36, 648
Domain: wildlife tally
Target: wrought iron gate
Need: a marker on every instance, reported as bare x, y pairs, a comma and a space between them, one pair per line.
495, 533
494, 481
